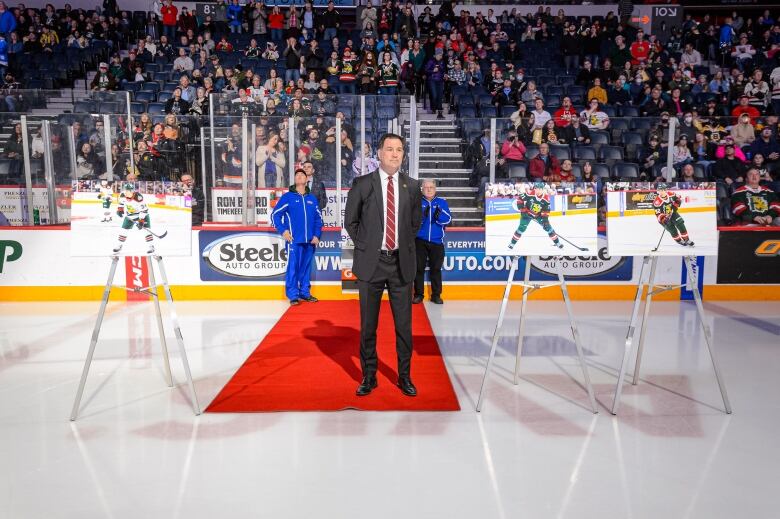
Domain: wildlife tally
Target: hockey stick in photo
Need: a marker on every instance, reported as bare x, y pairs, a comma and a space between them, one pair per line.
659, 240
570, 243
158, 236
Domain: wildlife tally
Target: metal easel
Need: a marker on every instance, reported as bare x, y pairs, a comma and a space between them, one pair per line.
653, 289
527, 289
152, 289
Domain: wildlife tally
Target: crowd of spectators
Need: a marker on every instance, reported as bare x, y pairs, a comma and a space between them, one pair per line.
555, 80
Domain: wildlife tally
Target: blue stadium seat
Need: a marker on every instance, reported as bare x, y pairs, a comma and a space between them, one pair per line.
109, 107
150, 86
163, 97
599, 137
625, 170
146, 96
560, 151
611, 154
84, 107
137, 108
484, 99
465, 100
518, 170
156, 108
488, 111
584, 152
467, 111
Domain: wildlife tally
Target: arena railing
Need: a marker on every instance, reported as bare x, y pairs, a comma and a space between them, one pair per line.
230, 153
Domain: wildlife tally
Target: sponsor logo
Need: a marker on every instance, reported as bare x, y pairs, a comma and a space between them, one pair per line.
247, 255
578, 266
582, 199
767, 249
14, 252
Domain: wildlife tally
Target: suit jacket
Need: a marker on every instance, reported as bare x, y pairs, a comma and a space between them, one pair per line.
364, 222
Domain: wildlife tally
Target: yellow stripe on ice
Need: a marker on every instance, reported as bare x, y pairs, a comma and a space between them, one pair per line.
515, 216
155, 206
645, 212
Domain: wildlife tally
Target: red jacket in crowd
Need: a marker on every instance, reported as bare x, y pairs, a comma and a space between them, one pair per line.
169, 14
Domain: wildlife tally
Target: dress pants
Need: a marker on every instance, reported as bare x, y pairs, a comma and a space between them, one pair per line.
431, 254
387, 275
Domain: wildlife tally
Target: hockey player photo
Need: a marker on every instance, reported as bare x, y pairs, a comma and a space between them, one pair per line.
534, 207
540, 219
106, 197
135, 215
119, 218
666, 205
663, 219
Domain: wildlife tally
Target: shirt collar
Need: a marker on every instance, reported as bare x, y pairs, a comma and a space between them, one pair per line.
385, 175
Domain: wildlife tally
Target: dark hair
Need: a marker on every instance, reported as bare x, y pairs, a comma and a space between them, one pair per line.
299, 170
390, 136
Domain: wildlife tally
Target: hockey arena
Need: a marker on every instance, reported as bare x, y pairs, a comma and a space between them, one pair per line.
376, 258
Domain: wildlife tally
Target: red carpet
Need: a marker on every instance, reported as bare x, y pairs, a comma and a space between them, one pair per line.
310, 362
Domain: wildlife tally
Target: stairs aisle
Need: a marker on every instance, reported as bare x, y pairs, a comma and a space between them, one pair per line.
441, 159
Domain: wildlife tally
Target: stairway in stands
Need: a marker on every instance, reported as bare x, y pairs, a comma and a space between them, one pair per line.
441, 159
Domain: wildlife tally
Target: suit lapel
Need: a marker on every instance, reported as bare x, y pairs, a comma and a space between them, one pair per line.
376, 183
402, 197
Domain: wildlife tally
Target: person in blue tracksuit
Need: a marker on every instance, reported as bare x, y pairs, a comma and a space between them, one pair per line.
297, 218
429, 242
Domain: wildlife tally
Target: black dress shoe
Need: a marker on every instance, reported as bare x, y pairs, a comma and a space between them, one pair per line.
437, 300
417, 300
407, 388
366, 386
310, 299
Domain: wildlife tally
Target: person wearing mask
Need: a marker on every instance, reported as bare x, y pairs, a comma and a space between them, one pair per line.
429, 243
297, 218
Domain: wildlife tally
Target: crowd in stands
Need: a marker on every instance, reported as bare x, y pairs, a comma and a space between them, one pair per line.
575, 96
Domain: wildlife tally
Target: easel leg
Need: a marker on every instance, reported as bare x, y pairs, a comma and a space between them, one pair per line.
629, 336
576, 335
156, 295
177, 332
646, 313
522, 319
497, 331
93, 342
693, 284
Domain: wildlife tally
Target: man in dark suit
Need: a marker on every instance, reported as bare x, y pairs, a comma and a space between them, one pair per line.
382, 217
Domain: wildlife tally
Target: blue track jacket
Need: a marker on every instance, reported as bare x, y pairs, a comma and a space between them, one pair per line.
430, 230
298, 214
